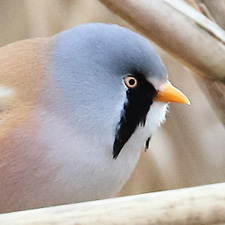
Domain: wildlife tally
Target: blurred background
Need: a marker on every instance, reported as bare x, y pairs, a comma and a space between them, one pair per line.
188, 150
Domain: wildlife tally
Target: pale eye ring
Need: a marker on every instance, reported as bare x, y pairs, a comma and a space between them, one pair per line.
130, 81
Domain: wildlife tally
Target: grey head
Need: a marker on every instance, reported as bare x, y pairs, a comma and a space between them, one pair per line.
109, 77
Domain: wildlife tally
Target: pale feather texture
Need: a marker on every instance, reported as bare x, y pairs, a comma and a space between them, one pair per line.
61, 99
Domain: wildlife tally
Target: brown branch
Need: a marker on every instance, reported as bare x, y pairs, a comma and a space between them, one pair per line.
193, 4
199, 205
198, 18
214, 89
204, 10
216, 9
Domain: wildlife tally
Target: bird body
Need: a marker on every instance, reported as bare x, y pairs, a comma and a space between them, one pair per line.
72, 122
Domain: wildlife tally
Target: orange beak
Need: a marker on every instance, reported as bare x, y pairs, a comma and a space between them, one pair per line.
168, 93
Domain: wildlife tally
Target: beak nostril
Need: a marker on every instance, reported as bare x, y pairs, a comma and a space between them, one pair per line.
163, 87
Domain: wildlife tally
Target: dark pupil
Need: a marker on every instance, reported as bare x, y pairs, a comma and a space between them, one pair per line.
131, 81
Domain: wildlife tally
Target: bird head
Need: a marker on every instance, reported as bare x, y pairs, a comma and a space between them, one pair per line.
111, 78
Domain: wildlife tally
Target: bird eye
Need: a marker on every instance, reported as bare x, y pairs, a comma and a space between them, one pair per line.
131, 82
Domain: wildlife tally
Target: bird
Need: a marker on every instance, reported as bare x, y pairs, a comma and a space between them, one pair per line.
76, 110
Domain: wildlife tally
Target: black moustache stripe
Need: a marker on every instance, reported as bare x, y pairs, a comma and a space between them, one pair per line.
139, 100
147, 143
